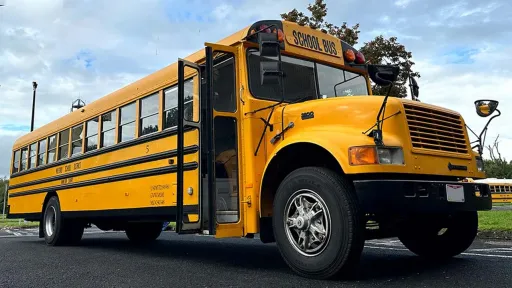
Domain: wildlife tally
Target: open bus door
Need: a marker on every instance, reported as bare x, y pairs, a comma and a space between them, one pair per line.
216, 205
189, 190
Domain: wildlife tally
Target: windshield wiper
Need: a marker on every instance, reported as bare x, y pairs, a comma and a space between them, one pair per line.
267, 122
382, 75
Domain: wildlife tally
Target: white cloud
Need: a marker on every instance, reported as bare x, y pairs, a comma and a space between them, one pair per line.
87, 49
403, 3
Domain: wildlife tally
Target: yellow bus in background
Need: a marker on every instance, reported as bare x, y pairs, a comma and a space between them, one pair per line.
272, 131
501, 189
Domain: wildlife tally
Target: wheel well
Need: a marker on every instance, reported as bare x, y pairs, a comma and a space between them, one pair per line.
287, 160
46, 199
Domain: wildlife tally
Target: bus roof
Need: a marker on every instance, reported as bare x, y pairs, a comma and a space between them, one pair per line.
495, 181
156, 81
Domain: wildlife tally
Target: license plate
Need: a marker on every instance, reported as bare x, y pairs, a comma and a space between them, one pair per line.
454, 193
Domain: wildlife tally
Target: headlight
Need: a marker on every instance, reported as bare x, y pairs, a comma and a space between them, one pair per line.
479, 164
364, 155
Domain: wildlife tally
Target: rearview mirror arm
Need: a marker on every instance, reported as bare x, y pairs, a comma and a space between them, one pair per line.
480, 140
484, 133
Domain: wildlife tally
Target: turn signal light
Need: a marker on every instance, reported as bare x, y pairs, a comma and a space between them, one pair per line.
365, 155
362, 155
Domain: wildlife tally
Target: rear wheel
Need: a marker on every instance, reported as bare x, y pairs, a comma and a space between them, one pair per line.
143, 232
317, 223
440, 237
57, 230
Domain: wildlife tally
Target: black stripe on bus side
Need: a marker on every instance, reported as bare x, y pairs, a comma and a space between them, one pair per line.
133, 142
165, 213
158, 156
121, 177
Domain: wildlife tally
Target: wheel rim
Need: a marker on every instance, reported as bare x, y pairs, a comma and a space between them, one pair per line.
50, 221
307, 222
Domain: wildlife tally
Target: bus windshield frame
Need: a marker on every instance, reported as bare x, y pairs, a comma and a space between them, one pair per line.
314, 80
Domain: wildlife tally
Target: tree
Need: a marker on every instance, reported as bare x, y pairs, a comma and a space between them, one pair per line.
497, 166
3, 183
378, 51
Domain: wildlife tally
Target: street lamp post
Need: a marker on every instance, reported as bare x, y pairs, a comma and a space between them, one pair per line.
5, 198
34, 85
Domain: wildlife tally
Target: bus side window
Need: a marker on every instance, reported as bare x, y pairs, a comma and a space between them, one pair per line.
77, 136
91, 134
127, 122
41, 160
24, 155
16, 162
52, 148
224, 93
108, 129
63, 144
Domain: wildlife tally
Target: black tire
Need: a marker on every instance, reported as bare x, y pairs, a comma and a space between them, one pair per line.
345, 242
143, 232
62, 232
424, 235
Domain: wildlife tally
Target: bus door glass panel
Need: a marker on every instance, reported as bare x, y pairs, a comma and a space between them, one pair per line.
225, 138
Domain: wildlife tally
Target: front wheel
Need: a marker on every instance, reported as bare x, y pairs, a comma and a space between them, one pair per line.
317, 223
440, 237
57, 230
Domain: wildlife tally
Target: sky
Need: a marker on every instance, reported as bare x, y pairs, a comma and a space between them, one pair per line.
86, 49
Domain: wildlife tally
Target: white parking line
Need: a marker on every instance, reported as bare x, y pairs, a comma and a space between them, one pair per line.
506, 250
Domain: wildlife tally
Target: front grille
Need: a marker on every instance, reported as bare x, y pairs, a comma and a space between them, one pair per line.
435, 130
499, 189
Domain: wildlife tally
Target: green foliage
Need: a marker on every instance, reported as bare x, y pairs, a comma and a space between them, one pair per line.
3, 183
497, 166
378, 51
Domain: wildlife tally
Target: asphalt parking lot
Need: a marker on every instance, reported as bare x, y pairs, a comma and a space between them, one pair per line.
110, 260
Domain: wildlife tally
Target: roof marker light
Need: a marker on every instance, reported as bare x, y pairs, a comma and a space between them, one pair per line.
349, 55
359, 58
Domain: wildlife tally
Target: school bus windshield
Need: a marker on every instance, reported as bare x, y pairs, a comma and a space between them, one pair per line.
305, 80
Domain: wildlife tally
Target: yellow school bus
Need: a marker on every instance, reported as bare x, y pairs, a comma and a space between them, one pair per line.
272, 131
501, 189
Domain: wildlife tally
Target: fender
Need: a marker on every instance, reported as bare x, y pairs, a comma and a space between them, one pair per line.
321, 138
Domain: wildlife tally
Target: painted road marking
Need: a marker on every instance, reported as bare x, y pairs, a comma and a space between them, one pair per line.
13, 233
496, 252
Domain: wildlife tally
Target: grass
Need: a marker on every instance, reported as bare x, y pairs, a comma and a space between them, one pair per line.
16, 223
497, 220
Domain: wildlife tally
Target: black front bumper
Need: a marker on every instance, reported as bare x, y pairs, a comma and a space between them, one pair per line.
411, 196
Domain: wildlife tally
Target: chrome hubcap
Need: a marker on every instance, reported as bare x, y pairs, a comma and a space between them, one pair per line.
50, 221
307, 222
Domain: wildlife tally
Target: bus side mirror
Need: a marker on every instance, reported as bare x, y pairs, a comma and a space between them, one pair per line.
415, 88
270, 69
484, 108
383, 75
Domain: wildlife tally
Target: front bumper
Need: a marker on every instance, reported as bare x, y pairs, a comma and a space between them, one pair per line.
413, 196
